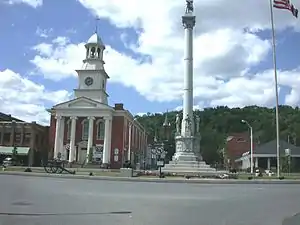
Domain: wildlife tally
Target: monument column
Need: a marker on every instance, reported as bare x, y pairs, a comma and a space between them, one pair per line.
187, 158
72, 139
188, 22
90, 138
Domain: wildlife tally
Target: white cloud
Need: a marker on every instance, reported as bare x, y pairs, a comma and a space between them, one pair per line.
43, 33
26, 99
32, 3
195, 107
61, 41
226, 47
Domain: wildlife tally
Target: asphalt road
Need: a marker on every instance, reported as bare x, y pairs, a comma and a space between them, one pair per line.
37, 200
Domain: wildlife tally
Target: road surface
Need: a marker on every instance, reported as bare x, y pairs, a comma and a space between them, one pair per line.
38, 200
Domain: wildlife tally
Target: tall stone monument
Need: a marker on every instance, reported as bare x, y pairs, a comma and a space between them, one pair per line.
187, 158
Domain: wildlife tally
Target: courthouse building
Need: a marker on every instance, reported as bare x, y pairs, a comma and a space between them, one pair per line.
86, 129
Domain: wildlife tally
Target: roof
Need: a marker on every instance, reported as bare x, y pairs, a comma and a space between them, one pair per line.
8, 150
84, 102
6, 117
95, 39
270, 148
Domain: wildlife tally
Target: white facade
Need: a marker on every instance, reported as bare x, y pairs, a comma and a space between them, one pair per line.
90, 102
244, 161
92, 77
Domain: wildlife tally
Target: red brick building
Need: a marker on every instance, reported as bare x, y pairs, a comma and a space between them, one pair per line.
236, 145
31, 139
86, 129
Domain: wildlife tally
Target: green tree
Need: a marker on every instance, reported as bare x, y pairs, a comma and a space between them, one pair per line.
218, 123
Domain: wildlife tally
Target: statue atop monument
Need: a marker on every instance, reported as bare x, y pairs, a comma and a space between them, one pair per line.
189, 7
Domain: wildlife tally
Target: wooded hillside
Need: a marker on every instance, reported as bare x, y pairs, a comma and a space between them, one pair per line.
218, 123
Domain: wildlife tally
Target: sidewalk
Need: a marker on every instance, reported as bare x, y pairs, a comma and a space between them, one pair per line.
150, 179
77, 169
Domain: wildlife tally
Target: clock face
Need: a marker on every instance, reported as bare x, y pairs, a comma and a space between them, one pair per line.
89, 81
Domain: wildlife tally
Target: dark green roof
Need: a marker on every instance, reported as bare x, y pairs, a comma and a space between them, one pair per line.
6, 117
270, 148
8, 150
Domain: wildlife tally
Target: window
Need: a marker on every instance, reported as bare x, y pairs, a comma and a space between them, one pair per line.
27, 138
6, 137
36, 139
17, 138
241, 140
116, 154
100, 130
68, 129
85, 129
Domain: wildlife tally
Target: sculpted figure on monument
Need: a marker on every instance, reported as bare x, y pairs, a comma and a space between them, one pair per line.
188, 123
189, 6
177, 123
197, 123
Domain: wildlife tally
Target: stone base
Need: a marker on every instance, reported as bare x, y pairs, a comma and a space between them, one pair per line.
126, 172
184, 157
188, 163
187, 159
189, 167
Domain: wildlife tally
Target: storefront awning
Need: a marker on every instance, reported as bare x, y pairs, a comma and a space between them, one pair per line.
4, 150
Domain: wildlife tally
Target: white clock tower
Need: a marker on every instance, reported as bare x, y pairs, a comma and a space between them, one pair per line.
92, 76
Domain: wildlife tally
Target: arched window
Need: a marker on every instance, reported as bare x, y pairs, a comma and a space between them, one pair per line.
100, 129
85, 129
98, 52
68, 129
93, 52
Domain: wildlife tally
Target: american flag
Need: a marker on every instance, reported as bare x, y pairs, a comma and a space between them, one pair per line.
286, 4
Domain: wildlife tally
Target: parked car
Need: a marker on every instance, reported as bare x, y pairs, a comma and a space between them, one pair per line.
8, 161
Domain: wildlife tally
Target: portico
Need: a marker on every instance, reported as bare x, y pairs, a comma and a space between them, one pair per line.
94, 113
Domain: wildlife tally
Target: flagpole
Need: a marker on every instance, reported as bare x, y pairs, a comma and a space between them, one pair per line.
276, 89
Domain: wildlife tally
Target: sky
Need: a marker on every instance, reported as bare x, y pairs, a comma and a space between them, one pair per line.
42, 44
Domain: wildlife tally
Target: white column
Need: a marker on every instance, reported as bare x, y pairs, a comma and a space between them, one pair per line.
129, 142
90, 138
188, 24
107, 141
268, 163
57, 136
72, 139
256, 162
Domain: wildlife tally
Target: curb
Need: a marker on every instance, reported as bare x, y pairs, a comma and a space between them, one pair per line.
155, 180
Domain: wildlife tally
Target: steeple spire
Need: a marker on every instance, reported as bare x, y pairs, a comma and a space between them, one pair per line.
96, 25
155, 136
166, 122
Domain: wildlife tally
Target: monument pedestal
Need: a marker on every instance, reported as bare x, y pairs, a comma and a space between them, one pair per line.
187, 159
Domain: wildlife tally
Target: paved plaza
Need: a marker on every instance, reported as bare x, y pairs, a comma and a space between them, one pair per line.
39, 200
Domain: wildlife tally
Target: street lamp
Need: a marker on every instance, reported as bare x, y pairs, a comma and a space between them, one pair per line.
251, 143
